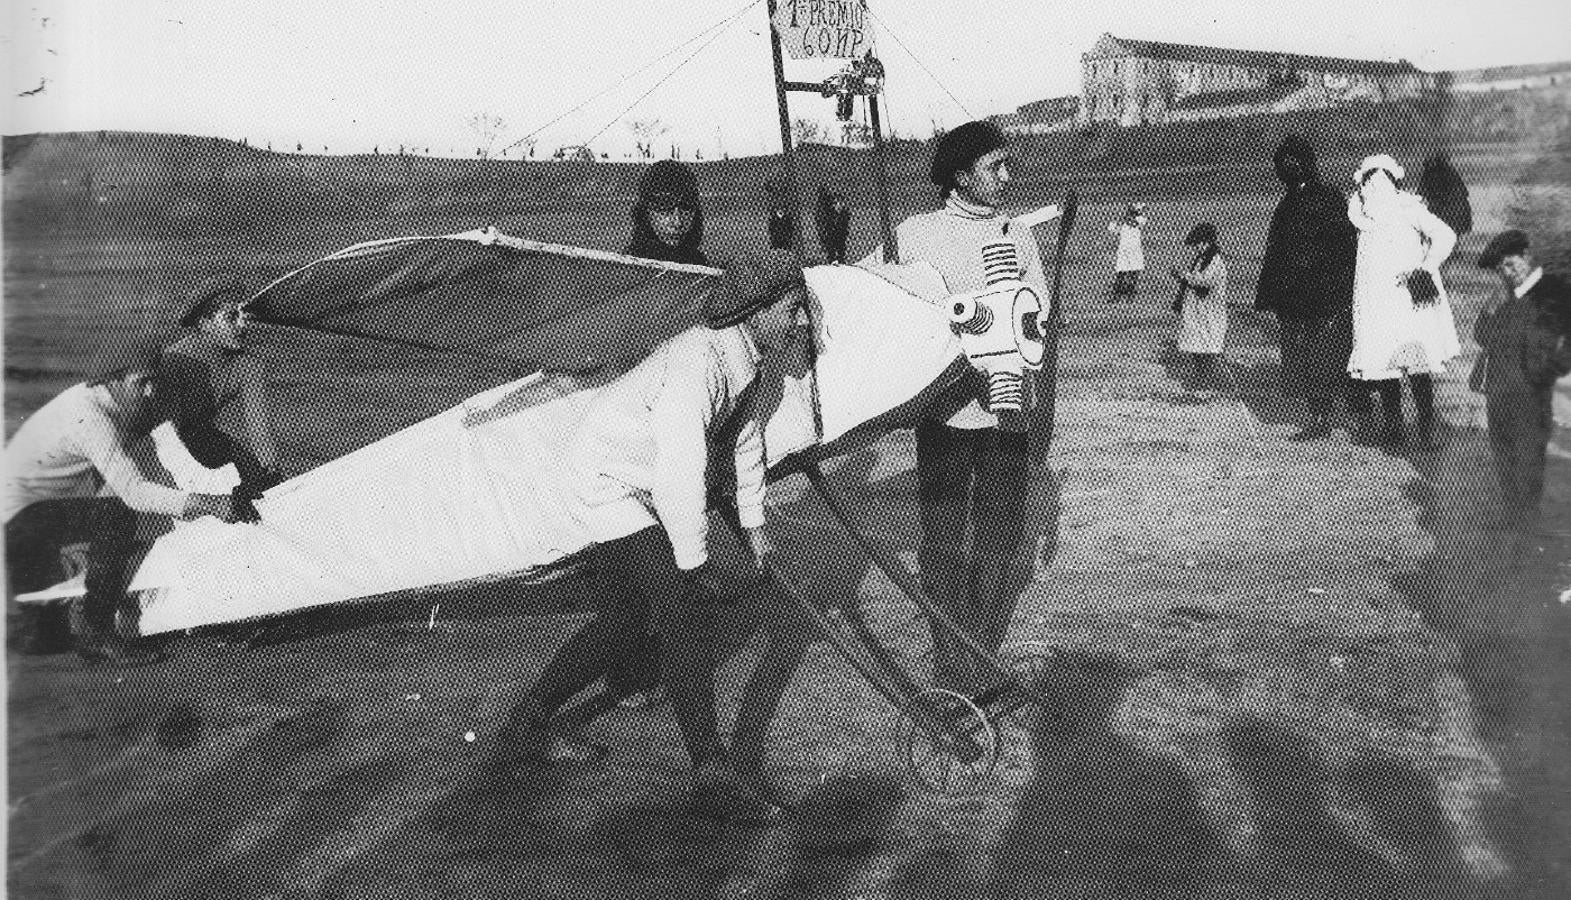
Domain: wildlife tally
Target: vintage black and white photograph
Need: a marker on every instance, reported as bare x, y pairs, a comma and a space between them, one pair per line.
864, 449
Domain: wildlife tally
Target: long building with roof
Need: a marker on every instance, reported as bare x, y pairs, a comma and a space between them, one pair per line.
1134, 82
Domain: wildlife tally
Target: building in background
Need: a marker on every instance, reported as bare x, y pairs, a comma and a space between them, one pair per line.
1131, 82
1508, 78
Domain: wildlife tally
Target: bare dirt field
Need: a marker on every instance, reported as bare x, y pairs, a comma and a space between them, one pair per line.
1277, 670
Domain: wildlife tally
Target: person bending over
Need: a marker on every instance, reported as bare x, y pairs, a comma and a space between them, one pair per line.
55, 467
639, 467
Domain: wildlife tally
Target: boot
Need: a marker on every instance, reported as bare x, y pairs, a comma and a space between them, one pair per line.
529, 738
720, 793
1423, 387
113, 650
1392, 435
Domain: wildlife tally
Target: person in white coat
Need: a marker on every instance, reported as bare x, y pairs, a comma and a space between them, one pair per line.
1402, 321
1202, 305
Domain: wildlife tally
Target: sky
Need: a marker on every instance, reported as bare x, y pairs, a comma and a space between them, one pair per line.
353, 75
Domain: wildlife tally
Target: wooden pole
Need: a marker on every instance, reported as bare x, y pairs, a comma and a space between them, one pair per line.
890, 250
785, 130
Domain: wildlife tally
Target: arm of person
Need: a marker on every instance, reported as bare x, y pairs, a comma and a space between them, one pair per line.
1210, 277
750, 487
1439, 239
253, 398
681, 412
101, 442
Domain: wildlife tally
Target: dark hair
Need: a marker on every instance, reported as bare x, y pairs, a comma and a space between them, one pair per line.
667, 182
213, 294
1204, 233
959, 149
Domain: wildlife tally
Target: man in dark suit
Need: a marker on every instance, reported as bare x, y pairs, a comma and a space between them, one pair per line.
1526, 338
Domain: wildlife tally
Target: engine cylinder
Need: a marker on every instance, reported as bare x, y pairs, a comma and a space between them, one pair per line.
1000, 262
1005, 392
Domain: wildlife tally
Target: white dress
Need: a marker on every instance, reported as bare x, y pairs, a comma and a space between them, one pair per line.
1130, 256
1202, 322
1391, 334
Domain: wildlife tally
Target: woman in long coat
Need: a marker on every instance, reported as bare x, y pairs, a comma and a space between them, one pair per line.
1402, 322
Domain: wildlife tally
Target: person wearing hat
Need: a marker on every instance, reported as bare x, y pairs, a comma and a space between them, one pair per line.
206, 376
1526, 339
56, 466
668, 222
1402, 322
639, 470
1129, 258
1306, 281
1202, 305
973, 477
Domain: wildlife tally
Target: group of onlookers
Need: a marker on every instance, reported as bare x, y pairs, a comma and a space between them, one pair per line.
1355, 283
1357, 287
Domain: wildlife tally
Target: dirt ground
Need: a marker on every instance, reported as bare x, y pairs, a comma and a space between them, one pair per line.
1276, 670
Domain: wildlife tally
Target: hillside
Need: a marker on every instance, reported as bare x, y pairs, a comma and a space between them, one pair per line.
62, 182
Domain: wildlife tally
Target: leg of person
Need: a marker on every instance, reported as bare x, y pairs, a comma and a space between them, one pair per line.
683, 617
33, 538
1390, 390
1500, 420
998, 516
111, 528
1423, 387
621, 616
1361, 408
1531, 452
635, 681
943, 470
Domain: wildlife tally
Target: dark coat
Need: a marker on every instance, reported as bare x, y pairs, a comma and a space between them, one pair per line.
646, 244
1311, 249
1526, 340
197, 379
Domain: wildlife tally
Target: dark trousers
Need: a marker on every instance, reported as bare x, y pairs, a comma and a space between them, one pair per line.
1520, 423
641, 591
971, 489
1314, 364
34, 537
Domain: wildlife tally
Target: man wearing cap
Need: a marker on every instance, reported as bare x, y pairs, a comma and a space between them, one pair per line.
972, 476
206, 374
639, 469
1526, 338
55, 466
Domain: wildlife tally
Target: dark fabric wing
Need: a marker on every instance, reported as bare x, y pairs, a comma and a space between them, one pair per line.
531, 306
377, 337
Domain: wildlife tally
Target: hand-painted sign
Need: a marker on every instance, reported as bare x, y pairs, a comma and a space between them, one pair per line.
832, 29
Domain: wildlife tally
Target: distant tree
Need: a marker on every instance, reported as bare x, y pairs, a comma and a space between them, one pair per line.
487, 127
644, 133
